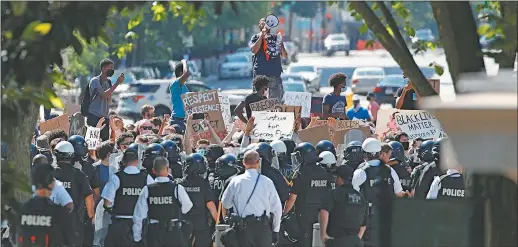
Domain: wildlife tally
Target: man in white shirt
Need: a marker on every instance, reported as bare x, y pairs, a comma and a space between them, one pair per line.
253, 206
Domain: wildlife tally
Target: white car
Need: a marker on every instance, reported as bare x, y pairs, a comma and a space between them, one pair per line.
337, 42
236, 65
153, 92
291, 85
365, 79
309, 73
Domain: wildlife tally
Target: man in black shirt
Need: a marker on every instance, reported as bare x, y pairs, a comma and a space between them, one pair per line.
410, 99
260, 87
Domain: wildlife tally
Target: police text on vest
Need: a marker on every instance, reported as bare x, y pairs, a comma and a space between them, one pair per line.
453, 192
161, 200
36, 220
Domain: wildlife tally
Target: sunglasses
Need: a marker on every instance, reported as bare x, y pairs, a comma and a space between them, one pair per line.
147, 127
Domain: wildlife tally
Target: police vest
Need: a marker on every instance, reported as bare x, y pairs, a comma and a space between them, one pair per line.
348, 212
37, 223
379, 184
162, 202
452, 187
404, 176
216, 184
194, 187
319, 185
128, 192
67, 176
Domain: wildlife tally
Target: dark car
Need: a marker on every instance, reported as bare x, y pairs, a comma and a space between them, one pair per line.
386, 88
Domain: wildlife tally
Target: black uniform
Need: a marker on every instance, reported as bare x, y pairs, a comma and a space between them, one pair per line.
165, 232
283, 190
77, 186
200, 193
285, 167
404, 176
415, 175
311, 185
120, 232
378, 189
216, 184
89, 170
452, 187
348, 211
428, 173
43, 223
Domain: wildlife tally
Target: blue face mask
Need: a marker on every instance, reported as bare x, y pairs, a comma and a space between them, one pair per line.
202, 151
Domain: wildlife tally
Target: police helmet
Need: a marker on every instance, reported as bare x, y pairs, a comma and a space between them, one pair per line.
131, 153
290, 145
195, 164
214, 151
325, 145
226, 166
398, 151
353, 152
171, 148
371, 148
64, 151
265, 151
437, 144
328, 158
154, 149
79, 143
278, 146
307, 152
425, 151
40, 159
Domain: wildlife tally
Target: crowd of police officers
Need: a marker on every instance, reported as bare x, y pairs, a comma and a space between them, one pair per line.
171, 199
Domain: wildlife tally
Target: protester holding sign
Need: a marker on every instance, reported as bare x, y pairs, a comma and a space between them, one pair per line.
177, 89
100, 92
267, 58
260, 84
334, 104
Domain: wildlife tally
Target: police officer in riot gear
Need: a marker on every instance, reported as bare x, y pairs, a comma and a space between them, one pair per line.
353, 155
449, 186
214, 151
43, 223
284, 158
152, 152
203, 209
379, 183
240, 170
81, 162
425, 157
267, 155
329, 164
163, 204
343, 216
174, 158
325, 145
429, 171
397, 158
311, 184
77, 185
120, 195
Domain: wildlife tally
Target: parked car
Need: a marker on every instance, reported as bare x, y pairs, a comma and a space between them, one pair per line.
387, 88
309, 73
336, 42
365, 79
153, 92
237, 65
293, 53
291, 85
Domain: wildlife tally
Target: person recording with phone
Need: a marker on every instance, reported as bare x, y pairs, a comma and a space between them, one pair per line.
101, 89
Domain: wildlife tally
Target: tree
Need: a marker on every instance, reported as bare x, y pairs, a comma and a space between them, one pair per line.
88, 62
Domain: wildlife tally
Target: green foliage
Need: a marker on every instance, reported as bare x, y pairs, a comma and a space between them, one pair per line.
439, 69
87, 63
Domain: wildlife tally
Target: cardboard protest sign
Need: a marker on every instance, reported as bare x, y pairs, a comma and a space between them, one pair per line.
93, 137
287, 108
419, 124
264, 105
71, 108
385, 124
349, 135
206, 102
299, 99
77, 124
225, 111
316, 106
315, 134
60, 122
272, 125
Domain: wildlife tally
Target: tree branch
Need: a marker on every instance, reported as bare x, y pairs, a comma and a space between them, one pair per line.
393, 25
405, 60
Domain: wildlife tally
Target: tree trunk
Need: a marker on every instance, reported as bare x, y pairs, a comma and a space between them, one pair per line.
404, 59
509, 12
458, 33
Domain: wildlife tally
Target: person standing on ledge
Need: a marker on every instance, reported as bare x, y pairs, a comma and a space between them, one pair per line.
267, 59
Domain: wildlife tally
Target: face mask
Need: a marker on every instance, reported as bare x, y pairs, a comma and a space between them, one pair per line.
405, 145
202, 151
155, 131
110, 72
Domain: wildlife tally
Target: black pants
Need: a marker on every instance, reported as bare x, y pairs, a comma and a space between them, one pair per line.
159, 236
92, 120
349, 241
306, 220
202, 232
255, 234
88, 234
120, 233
